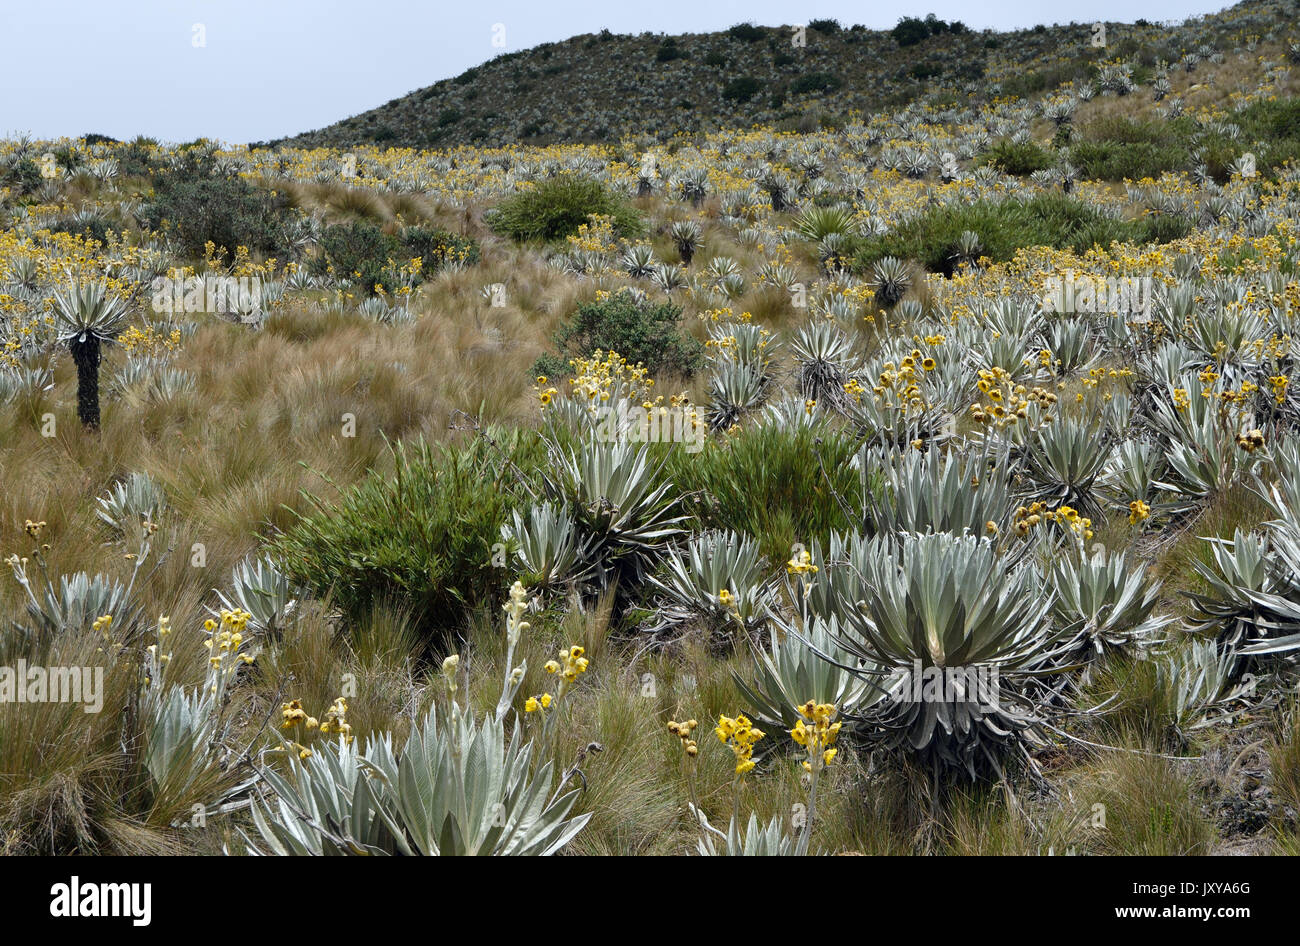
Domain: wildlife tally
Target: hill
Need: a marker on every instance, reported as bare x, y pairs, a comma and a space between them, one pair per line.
606, 86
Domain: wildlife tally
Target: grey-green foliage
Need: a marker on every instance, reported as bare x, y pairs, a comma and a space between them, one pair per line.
613, 492
459, 788
547, 547
802, 664
133, 501
953, 605
693, 578
757, 840
1104, 603
259, 587
934, 492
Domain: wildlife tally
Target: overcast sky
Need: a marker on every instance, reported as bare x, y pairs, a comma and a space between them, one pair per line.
250, 70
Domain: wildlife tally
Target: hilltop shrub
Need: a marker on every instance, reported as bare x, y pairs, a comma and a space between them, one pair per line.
555, 208
746, 32
420, 538
641, 332
932, 237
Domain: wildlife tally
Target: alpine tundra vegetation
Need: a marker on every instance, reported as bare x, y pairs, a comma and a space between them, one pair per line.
885, 443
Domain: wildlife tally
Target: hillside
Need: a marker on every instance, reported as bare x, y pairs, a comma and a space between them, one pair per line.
603, 87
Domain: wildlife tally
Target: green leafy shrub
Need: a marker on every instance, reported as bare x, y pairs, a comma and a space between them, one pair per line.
1019, 159
742, 89
555, 208
420, 538
815, 82
364, 248
438, 248
642, 333
196, 209
1112, 149
932, 237
767, 482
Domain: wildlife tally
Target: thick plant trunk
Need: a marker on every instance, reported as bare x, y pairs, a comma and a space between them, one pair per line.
85, 355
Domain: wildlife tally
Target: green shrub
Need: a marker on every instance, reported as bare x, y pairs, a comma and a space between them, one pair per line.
437, 248
746, 32
815, 82
420, 538
1055, 220
767, 482
364, 248
742, 89
1112, 149
641, 332
1019, 159
197, 208
360, 248
555, 208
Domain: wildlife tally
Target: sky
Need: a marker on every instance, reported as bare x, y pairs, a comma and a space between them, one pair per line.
252, 70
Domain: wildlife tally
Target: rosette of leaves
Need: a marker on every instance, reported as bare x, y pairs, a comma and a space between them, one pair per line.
718, 578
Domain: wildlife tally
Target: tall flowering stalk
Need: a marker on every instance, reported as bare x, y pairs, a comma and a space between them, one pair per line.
816, 732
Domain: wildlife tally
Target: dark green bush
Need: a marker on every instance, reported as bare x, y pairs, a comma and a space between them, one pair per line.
360, 251
1018, 159
746, 32
420, 538
555, 208
767, 481
742, 89
642, 333
23, 177
365, 249
196, 208
815, 82
1055, 220
669, 51
1112, 149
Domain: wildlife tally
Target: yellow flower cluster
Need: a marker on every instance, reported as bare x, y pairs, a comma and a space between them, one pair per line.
1251, 440
1070, 518
819, 737
1137, 511
223, 645
1007, 402
535, 704
800, 564
739, 735
149, 342
572, 666
336, 720
683, 732
595, 236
